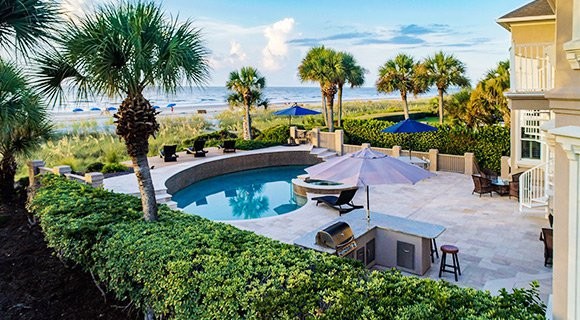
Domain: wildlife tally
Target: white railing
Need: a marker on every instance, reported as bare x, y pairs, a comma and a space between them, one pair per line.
532, 67
534, 187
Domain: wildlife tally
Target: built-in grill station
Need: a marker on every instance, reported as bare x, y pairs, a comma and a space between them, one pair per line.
337, 236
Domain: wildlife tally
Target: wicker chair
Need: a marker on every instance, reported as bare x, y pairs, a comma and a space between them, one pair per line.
481, 185
547, 237
515, 186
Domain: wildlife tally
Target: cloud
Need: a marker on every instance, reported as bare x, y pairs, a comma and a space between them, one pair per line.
236, 52
398, 40
77, 9
415, 29
311, 42
277, 48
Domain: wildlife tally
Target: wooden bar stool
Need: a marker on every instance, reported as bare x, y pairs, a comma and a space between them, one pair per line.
455, 269
434, 250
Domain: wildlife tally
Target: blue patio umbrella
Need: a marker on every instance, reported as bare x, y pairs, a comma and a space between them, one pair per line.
295, 110
409, 126
171, 105
111, 109
155, 107
77, 110
95, 109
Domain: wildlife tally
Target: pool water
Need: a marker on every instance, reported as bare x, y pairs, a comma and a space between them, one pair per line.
249, 194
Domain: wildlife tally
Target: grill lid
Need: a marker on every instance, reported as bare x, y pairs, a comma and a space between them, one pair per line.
335, 236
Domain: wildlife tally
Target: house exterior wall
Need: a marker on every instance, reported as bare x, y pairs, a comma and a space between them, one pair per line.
533, 32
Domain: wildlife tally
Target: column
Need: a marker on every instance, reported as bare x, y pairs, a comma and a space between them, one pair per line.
396, 151
469, 160
338, 141
572, 47
433, 158
505, 167
316, 137
95, 179
61, 170
33, 170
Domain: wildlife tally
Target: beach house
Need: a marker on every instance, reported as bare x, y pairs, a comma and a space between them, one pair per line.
545, 131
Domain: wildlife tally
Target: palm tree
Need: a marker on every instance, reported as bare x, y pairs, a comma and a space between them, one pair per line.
443, 71
401, 74
246, 86
21, 130
120, 51
350, 73
25, 23
323, 66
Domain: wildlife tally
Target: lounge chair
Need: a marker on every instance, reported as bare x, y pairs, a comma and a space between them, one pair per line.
344, 199
481, 185
168, 153
547, 237
197, 149
228, 146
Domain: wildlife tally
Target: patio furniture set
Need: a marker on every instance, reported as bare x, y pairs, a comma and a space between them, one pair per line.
485, 183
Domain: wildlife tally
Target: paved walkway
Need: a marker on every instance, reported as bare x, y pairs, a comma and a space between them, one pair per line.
499, 247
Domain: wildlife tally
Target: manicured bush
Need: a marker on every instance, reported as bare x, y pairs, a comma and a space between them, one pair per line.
212, 139
254, 144
114, 167
187, 267
95, 167
401, 117
488, 143
278, 134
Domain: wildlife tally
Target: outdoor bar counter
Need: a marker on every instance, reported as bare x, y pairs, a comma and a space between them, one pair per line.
386, 241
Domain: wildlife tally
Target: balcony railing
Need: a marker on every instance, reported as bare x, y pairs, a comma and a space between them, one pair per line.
532, 67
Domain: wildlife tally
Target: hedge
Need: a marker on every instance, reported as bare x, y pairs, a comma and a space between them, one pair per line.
188, 267
488, 143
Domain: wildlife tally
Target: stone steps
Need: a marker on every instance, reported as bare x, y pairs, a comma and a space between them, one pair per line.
323, 153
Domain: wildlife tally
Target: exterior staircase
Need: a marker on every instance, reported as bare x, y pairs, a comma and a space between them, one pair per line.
323, 153
536, 188
161, 197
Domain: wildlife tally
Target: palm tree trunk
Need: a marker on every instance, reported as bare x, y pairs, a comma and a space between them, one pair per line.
339, 105
143, 173
7, 173
405, 105
247, 124
323, 105
330, 111
440, 106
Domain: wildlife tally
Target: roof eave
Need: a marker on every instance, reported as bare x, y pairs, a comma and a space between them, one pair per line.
506, 22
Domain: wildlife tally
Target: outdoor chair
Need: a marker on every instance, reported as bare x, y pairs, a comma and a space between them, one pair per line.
515, 186
547, 237
228, 146
197, 149
481, 185
168, 153
486, 173
344, 199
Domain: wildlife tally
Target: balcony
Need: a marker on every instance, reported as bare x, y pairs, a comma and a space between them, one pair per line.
532, 67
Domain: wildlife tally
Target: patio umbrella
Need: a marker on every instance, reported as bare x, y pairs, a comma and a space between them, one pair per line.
171, 105
77, 110
155, 107
295, 110
367, 168
409, 126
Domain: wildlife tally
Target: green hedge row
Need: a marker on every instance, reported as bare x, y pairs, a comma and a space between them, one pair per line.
488, 143
187, 267
273, 136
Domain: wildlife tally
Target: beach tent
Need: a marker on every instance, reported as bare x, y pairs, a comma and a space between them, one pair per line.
367, 168
295, 110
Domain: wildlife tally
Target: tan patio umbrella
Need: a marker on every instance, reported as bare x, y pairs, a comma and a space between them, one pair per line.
367, 168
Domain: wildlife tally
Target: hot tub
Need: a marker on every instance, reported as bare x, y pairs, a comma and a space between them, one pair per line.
303, 185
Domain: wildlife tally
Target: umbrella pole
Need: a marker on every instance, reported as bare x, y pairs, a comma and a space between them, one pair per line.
368, 208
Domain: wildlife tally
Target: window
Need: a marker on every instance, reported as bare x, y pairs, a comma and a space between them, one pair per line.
530, 123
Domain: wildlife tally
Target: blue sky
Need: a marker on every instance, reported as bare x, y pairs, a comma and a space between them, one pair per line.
274, 36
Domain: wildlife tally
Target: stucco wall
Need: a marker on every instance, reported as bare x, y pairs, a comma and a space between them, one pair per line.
533, 32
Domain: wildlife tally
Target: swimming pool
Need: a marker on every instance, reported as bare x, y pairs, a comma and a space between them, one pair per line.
248, 194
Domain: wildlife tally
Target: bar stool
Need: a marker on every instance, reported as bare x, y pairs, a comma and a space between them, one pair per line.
434, 250
452, 250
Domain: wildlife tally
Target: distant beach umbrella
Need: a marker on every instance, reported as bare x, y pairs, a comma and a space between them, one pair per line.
95, 109
295, 110
155, 107
78, 110
409, 126
171, 105
111, 109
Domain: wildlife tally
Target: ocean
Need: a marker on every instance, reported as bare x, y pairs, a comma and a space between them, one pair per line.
215, 97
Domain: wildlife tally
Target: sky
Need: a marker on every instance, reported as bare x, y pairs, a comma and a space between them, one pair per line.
274, 36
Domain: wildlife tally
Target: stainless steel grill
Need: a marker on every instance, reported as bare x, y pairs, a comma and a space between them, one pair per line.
338, 236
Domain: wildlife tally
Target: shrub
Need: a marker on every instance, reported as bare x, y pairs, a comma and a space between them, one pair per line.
488, 143
278, 134
187, 267
254, 144
95, 167
212, 139
114, 167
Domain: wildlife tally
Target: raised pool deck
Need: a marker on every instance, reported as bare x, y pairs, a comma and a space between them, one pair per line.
498, 246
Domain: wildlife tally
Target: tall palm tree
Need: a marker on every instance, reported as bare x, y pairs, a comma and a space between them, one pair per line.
22, 130
120, 50
246, 86
25, 23
444, 70
401, 74
350, 73
323, 66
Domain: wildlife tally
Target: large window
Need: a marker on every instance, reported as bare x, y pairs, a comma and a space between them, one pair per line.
530, 123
